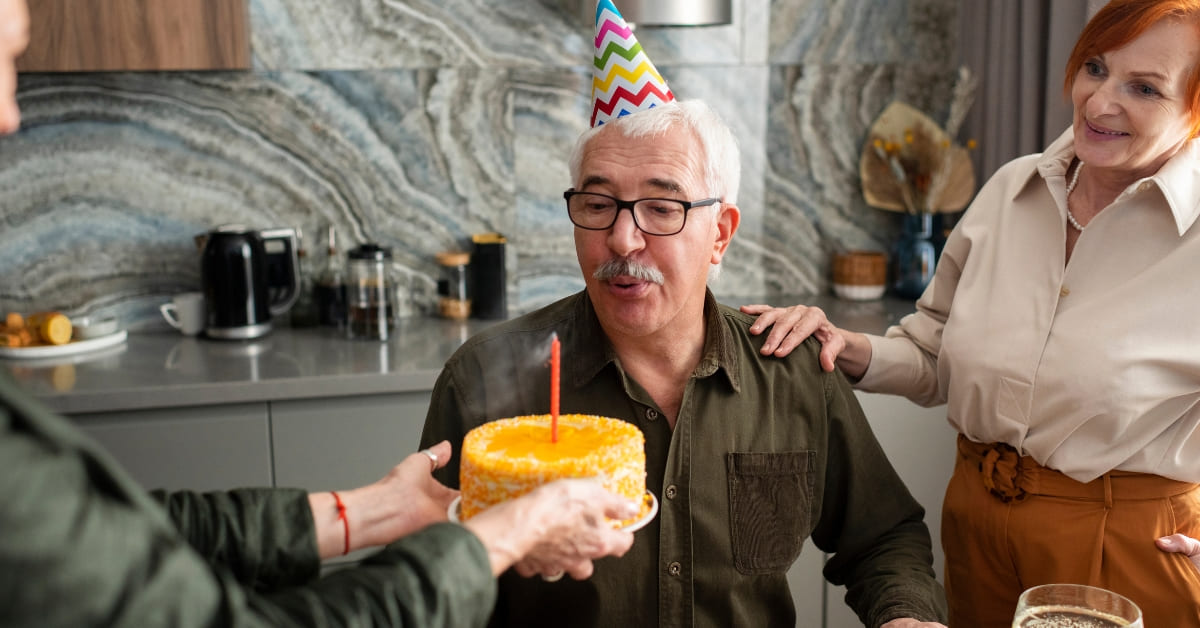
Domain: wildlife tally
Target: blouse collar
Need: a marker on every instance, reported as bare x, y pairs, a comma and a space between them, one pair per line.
1178, 179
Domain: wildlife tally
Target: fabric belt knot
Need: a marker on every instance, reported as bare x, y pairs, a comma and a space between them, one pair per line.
1001, 471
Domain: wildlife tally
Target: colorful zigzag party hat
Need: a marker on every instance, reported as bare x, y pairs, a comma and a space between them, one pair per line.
623, 79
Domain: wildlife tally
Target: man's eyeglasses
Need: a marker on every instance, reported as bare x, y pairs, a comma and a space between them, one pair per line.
654, 216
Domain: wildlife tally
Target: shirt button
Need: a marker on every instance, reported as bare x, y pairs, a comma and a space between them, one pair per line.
674, 569
671, 491
1064, 291
651, 414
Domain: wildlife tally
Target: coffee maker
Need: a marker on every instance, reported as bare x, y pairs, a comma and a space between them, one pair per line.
247, 277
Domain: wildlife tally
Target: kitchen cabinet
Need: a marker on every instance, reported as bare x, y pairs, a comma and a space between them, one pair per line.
315, 444
344, 442
108, 35
200, 448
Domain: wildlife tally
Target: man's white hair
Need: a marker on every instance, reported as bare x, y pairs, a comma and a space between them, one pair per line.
720, 159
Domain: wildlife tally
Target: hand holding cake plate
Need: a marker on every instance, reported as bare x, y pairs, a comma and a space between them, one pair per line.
646, 517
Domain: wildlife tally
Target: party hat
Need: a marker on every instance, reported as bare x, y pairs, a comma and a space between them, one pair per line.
623, 79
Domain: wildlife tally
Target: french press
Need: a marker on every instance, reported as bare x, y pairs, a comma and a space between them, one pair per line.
369, 300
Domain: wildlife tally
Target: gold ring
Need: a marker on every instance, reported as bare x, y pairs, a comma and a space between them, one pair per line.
432, 458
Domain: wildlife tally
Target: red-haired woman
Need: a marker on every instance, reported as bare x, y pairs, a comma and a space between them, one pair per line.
1061, 331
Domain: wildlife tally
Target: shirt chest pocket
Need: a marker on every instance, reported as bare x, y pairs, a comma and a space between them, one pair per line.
770, 508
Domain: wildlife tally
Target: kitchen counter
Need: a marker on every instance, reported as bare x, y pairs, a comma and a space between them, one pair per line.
165, 369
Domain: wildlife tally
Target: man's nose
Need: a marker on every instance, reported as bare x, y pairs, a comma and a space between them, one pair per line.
624, 237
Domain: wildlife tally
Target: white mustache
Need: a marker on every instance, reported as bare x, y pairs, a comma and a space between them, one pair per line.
625, 267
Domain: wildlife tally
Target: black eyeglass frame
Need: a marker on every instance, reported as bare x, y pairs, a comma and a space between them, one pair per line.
621, 204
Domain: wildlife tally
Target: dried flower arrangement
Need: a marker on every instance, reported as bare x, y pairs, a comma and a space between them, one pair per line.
910, 164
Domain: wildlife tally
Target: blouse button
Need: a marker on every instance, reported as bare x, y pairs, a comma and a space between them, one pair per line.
651, 414
671, 491
1064, 291
674, 568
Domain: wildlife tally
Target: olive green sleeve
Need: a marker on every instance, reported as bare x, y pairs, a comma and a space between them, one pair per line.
265, 537
871, 524
439, 576
83, 545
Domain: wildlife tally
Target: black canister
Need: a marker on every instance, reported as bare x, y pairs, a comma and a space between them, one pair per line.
329, 289
489, 283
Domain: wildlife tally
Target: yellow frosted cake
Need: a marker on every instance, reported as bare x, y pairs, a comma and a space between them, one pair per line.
507, 458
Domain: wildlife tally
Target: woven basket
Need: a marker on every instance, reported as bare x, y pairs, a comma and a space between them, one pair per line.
860, 268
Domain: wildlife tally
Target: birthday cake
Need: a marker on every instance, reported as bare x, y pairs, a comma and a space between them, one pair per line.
507, 458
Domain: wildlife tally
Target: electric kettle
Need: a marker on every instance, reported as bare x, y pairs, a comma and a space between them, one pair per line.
247, 277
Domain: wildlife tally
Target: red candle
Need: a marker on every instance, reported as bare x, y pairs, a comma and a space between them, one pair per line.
554, 360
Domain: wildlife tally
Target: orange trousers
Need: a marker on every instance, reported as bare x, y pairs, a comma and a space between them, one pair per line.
1009, 523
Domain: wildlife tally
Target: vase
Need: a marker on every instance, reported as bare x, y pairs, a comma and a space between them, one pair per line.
915, 254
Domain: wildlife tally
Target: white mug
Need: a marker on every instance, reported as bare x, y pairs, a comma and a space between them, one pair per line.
185, 312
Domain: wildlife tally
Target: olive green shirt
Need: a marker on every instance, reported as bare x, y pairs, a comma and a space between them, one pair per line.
765, 453
82, 545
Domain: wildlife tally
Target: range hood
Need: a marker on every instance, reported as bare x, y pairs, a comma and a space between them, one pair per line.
673, 12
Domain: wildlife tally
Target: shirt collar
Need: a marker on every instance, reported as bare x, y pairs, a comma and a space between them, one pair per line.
1176, 180
720, 350
591, 357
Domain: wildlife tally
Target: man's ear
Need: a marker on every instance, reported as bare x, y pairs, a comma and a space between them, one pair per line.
727, 224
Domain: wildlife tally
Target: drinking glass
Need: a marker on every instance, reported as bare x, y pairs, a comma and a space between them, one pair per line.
1074, 606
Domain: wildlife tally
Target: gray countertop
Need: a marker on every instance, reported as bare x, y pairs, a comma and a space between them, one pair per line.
165, 369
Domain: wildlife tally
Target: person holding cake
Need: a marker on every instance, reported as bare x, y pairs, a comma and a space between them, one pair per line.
84, 545
747, 455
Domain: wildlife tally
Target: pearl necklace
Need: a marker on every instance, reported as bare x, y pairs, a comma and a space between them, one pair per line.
1071, 186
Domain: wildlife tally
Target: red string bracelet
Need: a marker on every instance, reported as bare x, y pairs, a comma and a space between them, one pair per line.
345, 521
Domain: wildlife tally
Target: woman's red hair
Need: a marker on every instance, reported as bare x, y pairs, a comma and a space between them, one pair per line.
1122, 21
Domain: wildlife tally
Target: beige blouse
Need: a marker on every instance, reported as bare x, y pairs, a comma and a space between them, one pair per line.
1088, 366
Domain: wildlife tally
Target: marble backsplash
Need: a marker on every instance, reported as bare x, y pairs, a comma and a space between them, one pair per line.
417, 123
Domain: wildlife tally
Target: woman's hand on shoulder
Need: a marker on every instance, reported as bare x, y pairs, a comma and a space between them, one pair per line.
790, 326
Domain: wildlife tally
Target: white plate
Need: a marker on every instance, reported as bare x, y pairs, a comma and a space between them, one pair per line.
71, 348
641, 523
452, 512
90, 327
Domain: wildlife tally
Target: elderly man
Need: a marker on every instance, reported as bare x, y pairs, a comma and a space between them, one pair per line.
748, 455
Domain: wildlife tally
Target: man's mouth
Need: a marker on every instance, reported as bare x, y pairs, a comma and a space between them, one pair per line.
624, 282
